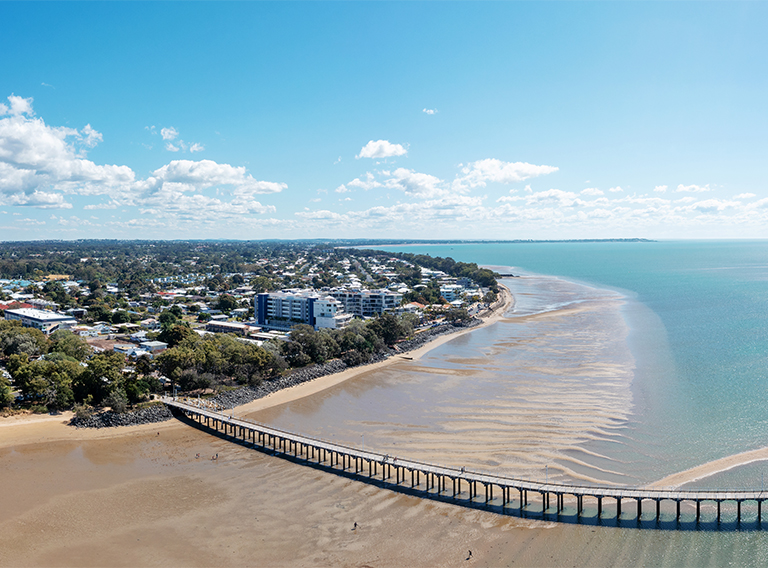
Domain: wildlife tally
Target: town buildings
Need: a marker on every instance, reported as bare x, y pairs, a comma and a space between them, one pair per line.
45, 321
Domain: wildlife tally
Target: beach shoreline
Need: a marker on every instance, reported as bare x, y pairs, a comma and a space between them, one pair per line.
52, 422
309, 388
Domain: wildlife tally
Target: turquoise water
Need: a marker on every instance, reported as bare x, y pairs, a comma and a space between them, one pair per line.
698, 319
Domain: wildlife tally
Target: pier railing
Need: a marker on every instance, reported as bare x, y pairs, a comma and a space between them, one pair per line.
464, 487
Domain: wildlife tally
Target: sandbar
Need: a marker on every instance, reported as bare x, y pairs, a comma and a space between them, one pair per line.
711, 468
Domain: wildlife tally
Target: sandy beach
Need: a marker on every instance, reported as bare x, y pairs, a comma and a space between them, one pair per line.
152, 496
497, 311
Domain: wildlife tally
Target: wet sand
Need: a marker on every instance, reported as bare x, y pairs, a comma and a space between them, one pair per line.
504, 303
139, 496
136, 498
519, 401
142, 499
711, 468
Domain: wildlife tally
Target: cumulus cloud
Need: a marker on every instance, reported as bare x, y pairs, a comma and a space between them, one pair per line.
37, 160
692, 188
190, 176
90, 137
592, 191
19, 106
660, 189
414, 183
381, 149
479, 173
196, 148
169, 133
616, 189
171, 147
368, 183
430, 111
40, 165
745, 196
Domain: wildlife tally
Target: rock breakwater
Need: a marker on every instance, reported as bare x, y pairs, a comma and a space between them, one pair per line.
109, 419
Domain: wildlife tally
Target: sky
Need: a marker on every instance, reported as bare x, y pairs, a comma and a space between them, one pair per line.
402, 120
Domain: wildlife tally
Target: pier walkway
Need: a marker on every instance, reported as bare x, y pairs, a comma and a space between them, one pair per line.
467, 488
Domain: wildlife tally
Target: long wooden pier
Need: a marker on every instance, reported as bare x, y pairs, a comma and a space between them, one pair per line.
467, 488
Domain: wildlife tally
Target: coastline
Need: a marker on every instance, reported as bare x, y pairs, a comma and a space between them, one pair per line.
290, 394
48, 427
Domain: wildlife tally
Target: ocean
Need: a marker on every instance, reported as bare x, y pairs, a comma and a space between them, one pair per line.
620, 363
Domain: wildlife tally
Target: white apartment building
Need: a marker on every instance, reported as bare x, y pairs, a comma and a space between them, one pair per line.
367, 303
45, 321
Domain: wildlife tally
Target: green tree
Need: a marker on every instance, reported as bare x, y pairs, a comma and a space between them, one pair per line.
390, 328
55, 291
167, 319
64, 341
120, 316
175, 334
117, 400
318, 345
15, 339
47, 382
226, 303
103, 375
6, 392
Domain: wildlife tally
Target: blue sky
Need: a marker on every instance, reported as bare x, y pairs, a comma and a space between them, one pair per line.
383, 120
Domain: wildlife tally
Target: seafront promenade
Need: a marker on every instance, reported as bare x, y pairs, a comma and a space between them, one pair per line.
525, 498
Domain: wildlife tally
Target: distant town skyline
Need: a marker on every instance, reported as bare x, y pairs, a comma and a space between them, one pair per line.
383, 120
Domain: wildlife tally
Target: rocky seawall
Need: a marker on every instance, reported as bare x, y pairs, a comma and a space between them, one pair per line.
109, 419
247, 394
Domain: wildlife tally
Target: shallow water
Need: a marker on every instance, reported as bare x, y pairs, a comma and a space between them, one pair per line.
522, 397
641, 360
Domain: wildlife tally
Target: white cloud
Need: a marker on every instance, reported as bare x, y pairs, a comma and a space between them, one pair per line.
90, 137
110, 205
616, 189
381, 149
196, 148
745, 196
713, 205
37, 160
323, 215
171, 148
561, 198
169, 133
592, 191
430, 111
415, 184
660, 189
188, 175
342, 189
368, 183
21, 106
692, 188
479, 173
40, 165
